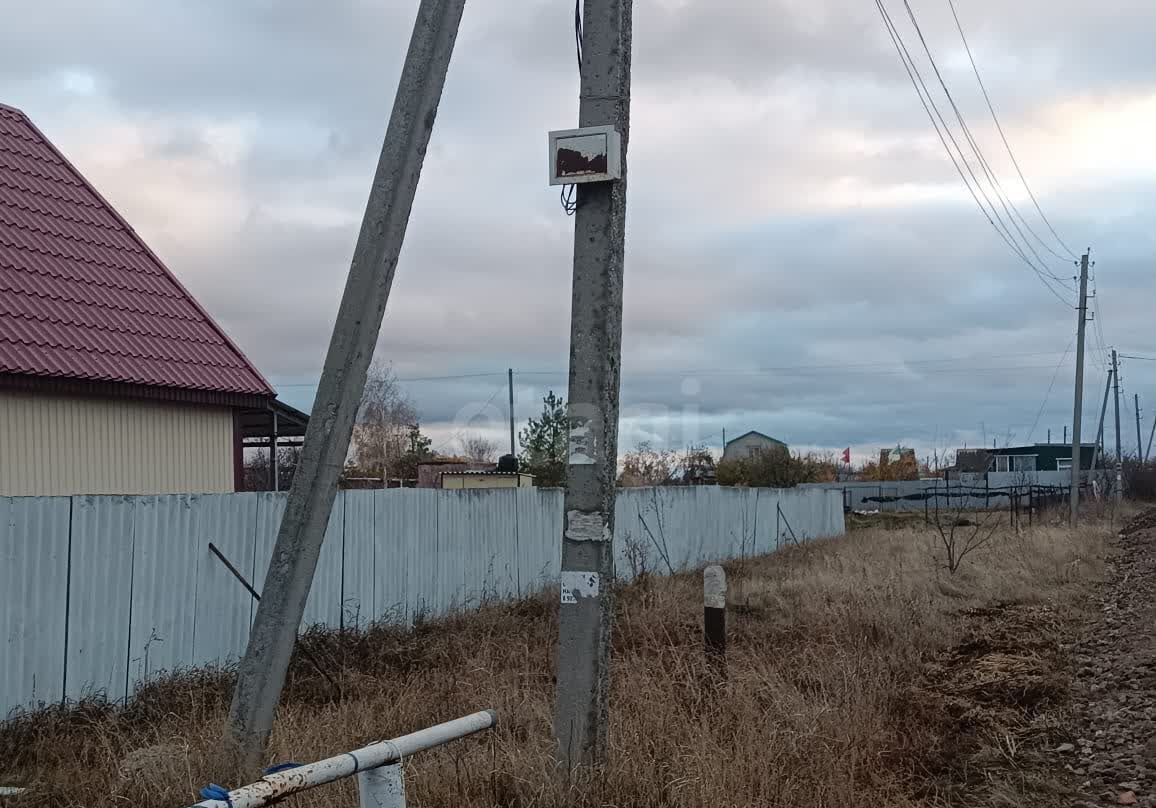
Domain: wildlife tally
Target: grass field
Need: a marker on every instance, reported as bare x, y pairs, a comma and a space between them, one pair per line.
860, 673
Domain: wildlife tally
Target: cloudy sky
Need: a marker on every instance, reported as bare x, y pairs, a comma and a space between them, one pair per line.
813, 269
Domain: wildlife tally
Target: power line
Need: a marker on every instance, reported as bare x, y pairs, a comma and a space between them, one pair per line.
1007, 145
992, 178
481, 409
885, 366
1141, 358
944, 135
1048, 394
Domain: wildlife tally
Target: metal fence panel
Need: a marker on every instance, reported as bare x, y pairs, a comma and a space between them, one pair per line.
418, 525
324, 604
270, 510
223, 605
391, 527
538, 512
33, 582
357, 569
145, 595
463, 554
100, 597
164, 578
765, 535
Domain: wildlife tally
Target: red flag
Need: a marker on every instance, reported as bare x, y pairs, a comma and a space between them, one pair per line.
847, 455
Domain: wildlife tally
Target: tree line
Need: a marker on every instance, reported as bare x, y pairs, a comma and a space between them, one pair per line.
388, 444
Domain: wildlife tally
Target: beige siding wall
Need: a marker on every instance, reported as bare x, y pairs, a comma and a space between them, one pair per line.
51, 445
453, 481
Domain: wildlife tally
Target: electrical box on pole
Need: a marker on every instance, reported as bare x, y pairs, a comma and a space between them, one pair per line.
590, 154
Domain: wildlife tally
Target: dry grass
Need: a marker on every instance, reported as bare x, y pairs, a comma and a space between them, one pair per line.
860, 674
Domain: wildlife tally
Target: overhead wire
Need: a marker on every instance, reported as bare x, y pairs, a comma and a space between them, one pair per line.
1007, 145
992, 178
1048, 394
944, 133
469, 420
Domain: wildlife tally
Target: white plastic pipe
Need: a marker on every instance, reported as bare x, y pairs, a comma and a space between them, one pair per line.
274, 787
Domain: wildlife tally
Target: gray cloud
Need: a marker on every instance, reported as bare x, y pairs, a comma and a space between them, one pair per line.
798, 246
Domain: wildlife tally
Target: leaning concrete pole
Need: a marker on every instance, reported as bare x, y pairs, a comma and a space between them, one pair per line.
262, 671
586, 612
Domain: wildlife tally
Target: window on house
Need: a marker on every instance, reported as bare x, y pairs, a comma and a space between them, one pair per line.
1001, 463
1024, 463
1064, 464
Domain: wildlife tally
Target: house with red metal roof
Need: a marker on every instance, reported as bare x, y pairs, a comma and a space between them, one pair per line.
113, 379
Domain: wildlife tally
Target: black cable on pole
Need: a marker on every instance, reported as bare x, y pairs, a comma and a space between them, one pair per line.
568, 195
1007, 145
578, 32
944, 135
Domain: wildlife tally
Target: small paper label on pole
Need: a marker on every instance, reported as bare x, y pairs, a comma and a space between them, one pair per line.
581, 443
582, 526
577, 585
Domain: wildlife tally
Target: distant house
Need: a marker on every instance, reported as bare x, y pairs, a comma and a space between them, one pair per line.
749, 444
429, 472
1039, 457
113, 379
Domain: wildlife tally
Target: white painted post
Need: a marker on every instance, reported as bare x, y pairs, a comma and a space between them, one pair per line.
714, 619
383, 787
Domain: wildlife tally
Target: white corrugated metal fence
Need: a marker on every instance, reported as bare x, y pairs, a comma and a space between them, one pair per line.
100, 593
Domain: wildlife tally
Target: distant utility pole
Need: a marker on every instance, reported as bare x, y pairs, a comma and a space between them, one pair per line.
1078, 406
586, 613
1096, 452
1119, 448
1139, 444
1151, 434
1116, 396
261, 674
513, 446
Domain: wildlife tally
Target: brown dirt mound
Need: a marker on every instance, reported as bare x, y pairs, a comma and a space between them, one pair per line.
1143, 521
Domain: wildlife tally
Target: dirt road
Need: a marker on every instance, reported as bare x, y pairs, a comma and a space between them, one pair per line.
1113, 754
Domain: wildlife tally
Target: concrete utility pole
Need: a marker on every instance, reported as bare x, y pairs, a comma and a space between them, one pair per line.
261, 674
513, 446
1116, 396
1139, 444
1119, 448
583, 690
1100, 429
1078, 407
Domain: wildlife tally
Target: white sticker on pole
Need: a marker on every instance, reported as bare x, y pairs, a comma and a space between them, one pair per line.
577, 585
581, 526
581, 442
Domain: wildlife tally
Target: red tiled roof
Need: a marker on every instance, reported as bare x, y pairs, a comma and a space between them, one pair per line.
82, 297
